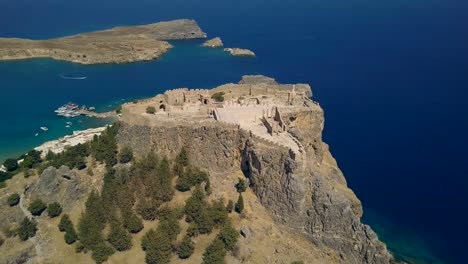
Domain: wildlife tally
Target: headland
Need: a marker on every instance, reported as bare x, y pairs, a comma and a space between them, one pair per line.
117, 45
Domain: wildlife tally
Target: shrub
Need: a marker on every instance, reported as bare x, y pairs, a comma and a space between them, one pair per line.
80, 248
65, 223
119, 238
54, 210
11, 164
214, 253
150, 110
126, 155
230, 206
27, 229
102, 252
70, 236
132, 223
239, 207
186, 248
218, 97
2, 240
37, 207
228, 235
241, 186
13, 199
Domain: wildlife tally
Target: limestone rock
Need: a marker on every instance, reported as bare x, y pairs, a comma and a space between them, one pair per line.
240, 52
58, 185
213, 43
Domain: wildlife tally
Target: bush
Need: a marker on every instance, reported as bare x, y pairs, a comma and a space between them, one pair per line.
102, 252
150, 110
54, 210
218, 97
119, 238
27, 229
239, 207
37, 207
132, 223
13, 199
80, 248
214, 253
186, 248
70, 236
126, 155
65, 223
230, 206
11, 164
241, 186
228, 235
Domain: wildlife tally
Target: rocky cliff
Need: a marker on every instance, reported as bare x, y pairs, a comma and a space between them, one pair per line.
306, 192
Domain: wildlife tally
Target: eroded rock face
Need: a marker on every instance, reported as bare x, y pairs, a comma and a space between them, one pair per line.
58, 185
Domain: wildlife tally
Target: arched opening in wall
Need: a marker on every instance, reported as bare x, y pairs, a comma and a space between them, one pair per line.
162, 107
205, 101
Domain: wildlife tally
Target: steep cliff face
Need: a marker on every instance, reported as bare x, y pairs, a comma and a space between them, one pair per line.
308, 193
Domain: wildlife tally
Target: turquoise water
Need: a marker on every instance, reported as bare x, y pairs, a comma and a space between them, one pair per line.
391, 76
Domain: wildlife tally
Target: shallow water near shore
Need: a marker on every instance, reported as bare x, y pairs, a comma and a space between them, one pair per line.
391, 77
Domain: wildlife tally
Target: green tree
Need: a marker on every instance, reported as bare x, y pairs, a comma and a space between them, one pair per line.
37, 207
218, 97
92, 223
229, 235
218, 213
150, 110
65, 223
239, 207
186, 248
102, 252
13, 199
214, 253
11, 164
241, 186
119, 238
132, 222
27, 229
126, 155
70, 235
54, 210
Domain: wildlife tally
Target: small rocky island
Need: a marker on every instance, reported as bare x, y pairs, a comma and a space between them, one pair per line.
116, 45
240, 52
213, 43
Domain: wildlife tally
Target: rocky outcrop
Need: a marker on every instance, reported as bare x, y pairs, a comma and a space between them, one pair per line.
213, 43
305, 191
240, 52
58, 185
116, 45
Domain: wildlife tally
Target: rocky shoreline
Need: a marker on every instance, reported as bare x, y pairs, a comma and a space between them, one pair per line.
116, 45
78, 137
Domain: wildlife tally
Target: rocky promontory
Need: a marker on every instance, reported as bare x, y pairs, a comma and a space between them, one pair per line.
213, 43
116, 45
240, 52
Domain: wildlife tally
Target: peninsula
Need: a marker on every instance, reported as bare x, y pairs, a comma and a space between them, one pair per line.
117, 45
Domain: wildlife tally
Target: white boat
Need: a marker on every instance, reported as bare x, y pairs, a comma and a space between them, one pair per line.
67, 126
37, 134
44, 128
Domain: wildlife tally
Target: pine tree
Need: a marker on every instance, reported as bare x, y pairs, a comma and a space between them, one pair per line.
186, 248
230, 206
241, 186
27, 229
239, 207
119, 238
214, 253
228, 235
54, 210
37, 207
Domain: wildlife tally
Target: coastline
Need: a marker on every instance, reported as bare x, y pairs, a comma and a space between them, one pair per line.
78, 137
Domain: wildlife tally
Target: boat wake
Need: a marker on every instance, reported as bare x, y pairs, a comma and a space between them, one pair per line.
73, 78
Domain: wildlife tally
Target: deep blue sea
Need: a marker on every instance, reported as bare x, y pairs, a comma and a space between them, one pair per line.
392, 77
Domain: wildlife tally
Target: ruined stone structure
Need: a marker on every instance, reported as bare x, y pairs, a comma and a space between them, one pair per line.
273, 133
